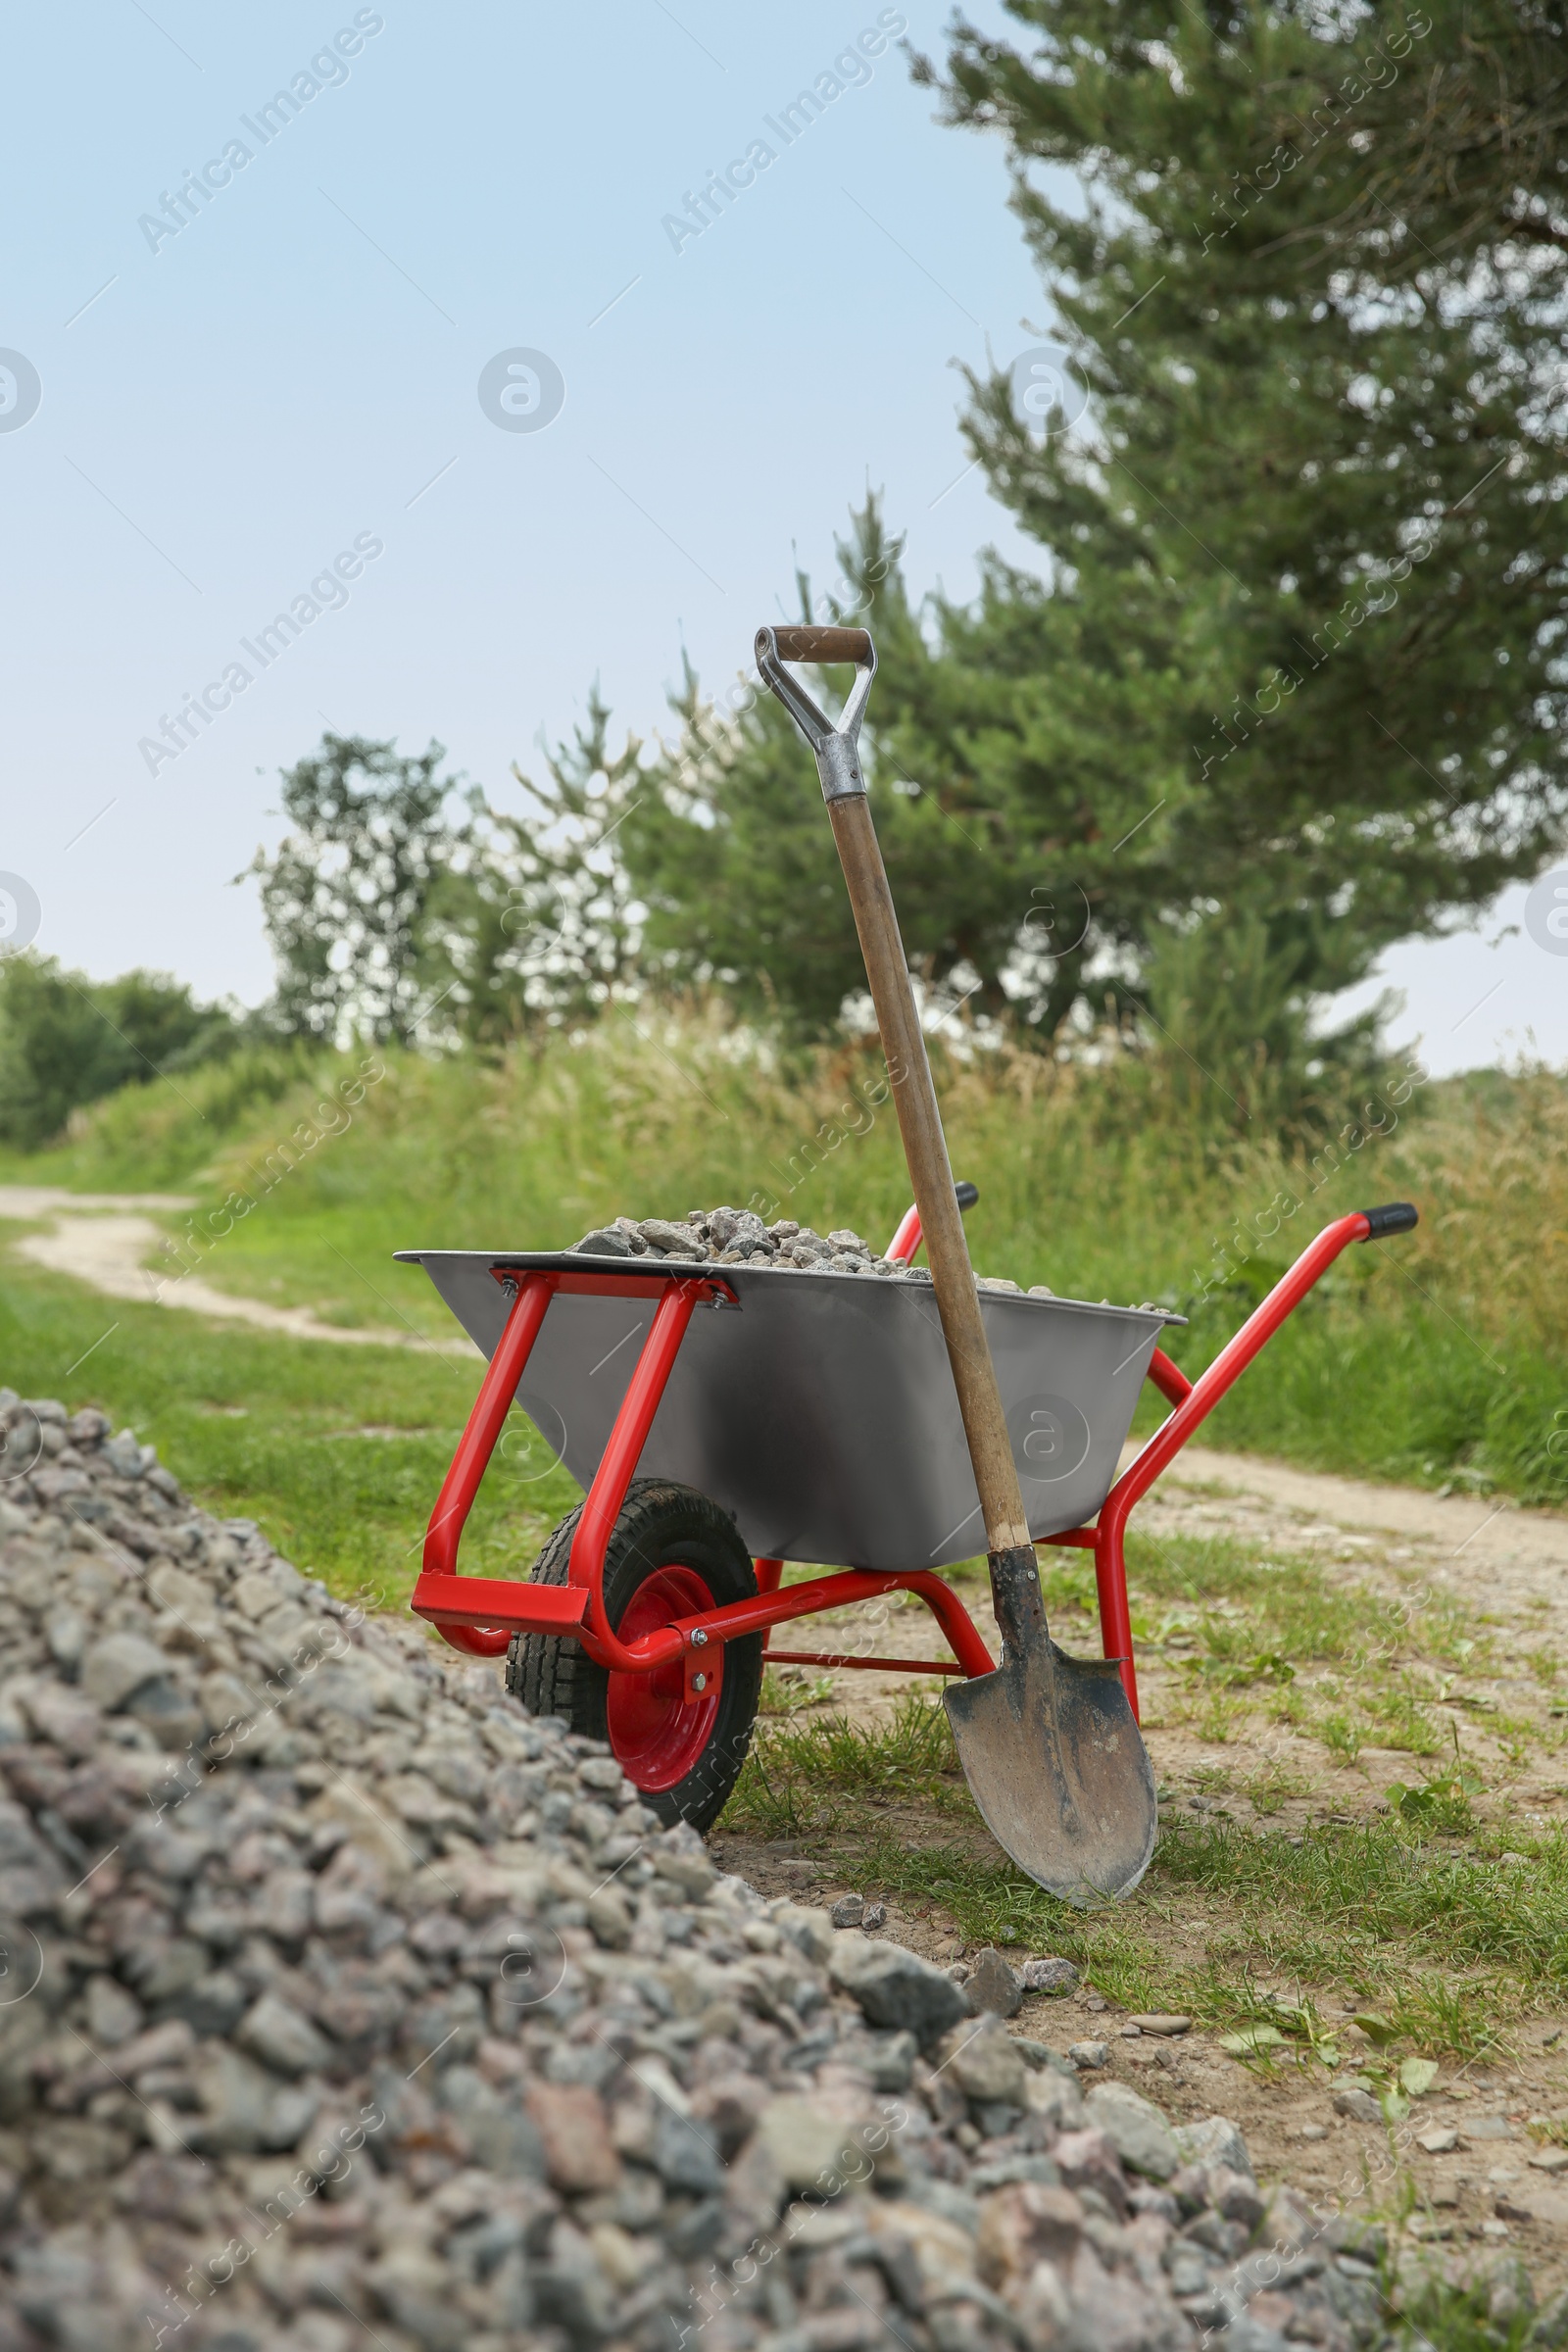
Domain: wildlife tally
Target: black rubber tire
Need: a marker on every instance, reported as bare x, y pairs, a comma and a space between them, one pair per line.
660, 1525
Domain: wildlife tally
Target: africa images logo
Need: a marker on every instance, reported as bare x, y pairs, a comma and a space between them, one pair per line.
1547, 911
327, 593
850, 70
328, 71
21, 391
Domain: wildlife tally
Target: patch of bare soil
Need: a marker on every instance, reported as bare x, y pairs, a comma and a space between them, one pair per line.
111, 1254
1482, 2176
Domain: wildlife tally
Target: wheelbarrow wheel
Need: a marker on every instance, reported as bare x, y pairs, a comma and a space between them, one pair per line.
672, 1553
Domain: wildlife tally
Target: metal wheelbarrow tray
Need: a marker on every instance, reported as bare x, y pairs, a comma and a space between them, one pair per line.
819, 1409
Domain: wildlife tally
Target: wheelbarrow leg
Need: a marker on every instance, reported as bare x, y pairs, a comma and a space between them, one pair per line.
475, 1446
768, 1572
1115, 1616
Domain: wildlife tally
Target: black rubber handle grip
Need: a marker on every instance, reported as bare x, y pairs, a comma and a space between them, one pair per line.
1395, 1217
967, 1194
823, 645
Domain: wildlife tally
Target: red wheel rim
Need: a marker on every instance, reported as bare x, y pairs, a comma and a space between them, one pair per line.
657, 1734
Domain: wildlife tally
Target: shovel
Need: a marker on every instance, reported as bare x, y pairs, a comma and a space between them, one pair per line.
1048, 1744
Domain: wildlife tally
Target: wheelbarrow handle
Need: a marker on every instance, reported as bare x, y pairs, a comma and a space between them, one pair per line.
887, 971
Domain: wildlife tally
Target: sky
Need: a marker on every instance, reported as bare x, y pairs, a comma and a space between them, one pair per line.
423, 337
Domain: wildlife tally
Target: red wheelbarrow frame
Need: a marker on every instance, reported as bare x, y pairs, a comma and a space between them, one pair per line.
482, 1614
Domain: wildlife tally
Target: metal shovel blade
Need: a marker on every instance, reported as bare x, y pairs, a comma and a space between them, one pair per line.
1053, 1755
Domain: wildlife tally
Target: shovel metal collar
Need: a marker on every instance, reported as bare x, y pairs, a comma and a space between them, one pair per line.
1052, 1754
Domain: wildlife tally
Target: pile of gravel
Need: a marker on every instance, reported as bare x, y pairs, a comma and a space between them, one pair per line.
733, 1237
344, 2004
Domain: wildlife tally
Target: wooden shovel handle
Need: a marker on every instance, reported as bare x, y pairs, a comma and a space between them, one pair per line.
822, 644
925, 1148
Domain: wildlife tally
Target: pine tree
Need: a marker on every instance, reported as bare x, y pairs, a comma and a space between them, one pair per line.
1290, 686
731, 853
1314, 539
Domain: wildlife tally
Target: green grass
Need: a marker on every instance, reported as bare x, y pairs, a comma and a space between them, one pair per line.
1456, 2319
1244, 1630
1349, 1903
816, 1775
1342, 1735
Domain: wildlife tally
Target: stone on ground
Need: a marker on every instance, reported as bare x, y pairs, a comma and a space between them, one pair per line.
1135, 2129
992, 1984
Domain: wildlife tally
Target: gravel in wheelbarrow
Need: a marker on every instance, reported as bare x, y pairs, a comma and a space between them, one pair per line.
343, 2003
736, 1237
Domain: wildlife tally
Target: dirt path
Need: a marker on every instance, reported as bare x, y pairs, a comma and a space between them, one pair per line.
1466, 1537
1466, 2149
103, 1239
1485, 1554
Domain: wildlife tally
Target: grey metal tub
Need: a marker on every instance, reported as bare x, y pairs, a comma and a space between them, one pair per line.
820, 1412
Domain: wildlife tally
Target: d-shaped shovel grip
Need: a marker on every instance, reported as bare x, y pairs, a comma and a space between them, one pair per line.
822, 645
985, 1424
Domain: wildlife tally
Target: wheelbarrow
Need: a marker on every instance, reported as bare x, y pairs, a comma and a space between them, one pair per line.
728, 1420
